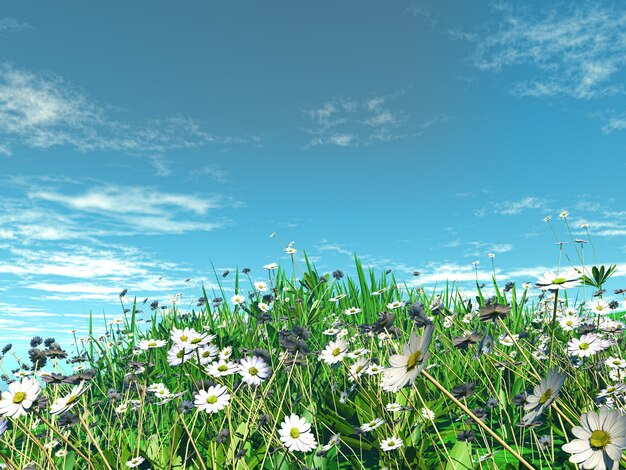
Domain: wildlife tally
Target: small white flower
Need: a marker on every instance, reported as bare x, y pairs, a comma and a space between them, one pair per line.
260, 286
373, 424
270, 266
295, 434
238, 299
253, 370
395, 304
222, 368
390, 443
215, 399
352, 311
151, 344
135, 462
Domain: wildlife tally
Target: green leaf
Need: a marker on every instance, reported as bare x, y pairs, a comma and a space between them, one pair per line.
460, 457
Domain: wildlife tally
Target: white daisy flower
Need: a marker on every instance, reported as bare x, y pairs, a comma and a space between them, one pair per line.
263, 307
394, 407
135, 462
295, 434
253, 370
63, 404
586, 346
178, 355
207, 353
373, 424
337, 298
331, 331
238, 299
17, 400
374, 369
260, 286
615, 362
395, 304
214, 399
352, 311
60, 453
151, 344
568, 323
599, 307
543, 395
358, 368
226, 353
404, 368
551, 281
270, 266
221, 368
390, 443
334, 351
600, 440
427, 413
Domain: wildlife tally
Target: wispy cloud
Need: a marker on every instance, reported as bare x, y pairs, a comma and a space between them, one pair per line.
42, 110
348, 122
517, 206
12, 25
577, 51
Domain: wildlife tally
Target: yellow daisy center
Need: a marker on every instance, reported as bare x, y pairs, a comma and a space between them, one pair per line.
19, 397
211, 399
599, 439
253, 371
583, 346
559, 281
336, 351
546, 396
414, 360
295, 433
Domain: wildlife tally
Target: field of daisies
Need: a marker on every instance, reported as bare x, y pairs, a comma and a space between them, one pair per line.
325, 371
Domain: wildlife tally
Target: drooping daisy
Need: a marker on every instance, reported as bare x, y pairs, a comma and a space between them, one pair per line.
295, 434
260, 286
151, 344
358, 368
135, 462
390, 443
213, 399
395, 304
18, 399
543, 395
253, 370
222, 368
373, 424
63, 404
565, 280
600, 440
404, 368
334, 351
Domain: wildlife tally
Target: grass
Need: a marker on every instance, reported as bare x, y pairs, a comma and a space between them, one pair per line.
461, 411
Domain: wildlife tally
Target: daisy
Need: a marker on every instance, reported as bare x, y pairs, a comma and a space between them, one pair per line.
207, 353
374, 369
151, 344
290, 250
600, 440
60, 453
295, 434
270, 266
358, 368
394, 407
390, 443
406, 367
178, 355
122, 408
569, 323
373, 424
551, 281
615, 362
543, 395
334, 351
352, 311
395, 304
427, 413
226, 352
599, 307
135, 462
214, 399
260, 286
253, 370
18, 399
222, 368
238, 299
63, 404
263, 307
331, 331
586, 346
339, 297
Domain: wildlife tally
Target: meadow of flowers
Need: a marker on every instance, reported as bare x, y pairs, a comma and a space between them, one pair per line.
326, 371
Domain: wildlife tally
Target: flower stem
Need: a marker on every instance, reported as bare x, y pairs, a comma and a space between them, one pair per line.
443, 390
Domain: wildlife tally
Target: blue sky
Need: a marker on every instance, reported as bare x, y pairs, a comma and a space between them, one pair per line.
142, 142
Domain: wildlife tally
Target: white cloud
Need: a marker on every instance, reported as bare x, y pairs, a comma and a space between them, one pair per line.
11, 25
42, 110
516, 207
347, 122
578, 52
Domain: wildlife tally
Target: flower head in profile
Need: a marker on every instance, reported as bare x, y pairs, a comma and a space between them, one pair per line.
135, 462
565, 280
494, 311
295, 434
600, 440
404, 368
19, 398
63, 404
543, 395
